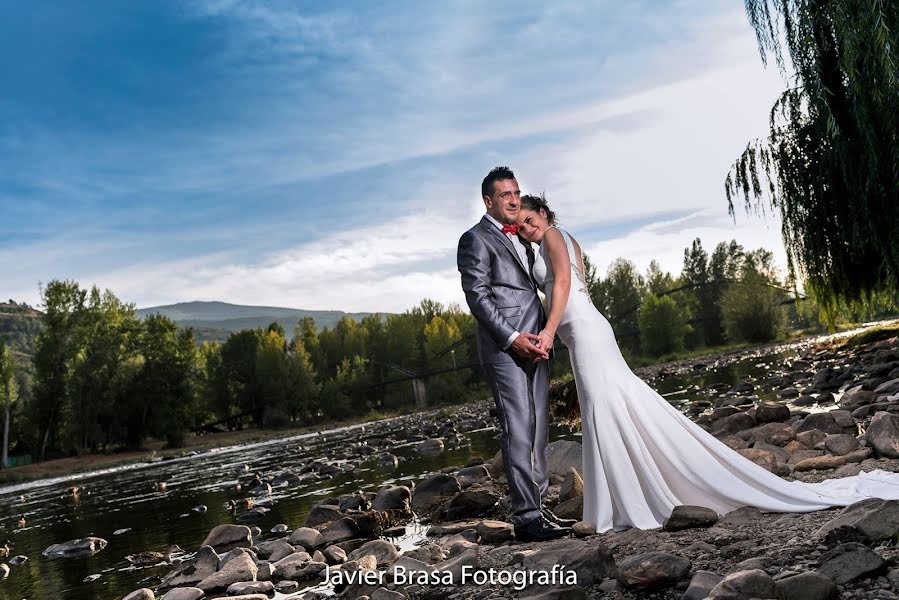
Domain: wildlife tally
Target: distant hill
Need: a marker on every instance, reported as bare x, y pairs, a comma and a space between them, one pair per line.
217, 320
19, 326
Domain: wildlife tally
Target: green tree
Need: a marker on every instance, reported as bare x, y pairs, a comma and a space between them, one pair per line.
8, 395
624, 289
751, 308
663, 325
303, 395
238, 374
55, 353
272, 379
164, 388
657, 281
830, 164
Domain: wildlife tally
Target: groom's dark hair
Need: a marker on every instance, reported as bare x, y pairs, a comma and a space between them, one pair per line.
497, 174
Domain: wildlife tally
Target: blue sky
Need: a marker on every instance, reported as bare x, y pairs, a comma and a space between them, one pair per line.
328, 155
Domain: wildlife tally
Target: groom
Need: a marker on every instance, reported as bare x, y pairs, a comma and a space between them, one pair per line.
496, 277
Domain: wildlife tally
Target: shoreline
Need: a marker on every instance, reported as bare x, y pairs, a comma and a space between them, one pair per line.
62, 468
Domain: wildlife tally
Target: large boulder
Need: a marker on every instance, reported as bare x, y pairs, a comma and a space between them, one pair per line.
652, 570
866, 522
762, 458
851, 561
74, 548
840, 444
807, 586
821, 421
227, 537
395, 497
688, 517
701, 585
883, 434
469, 503
745, 585
193, 571
562, 455
776, 434
572, 486
240, 568
767, 412
434, 489
591, 562
383, 551
307, 537
733, 424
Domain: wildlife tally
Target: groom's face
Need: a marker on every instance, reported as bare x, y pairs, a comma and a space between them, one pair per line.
505, 201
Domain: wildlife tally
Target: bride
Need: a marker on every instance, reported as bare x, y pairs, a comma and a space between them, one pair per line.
641, 456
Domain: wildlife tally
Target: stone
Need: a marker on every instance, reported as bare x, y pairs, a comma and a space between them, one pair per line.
652, 570
469, 476
821, 421
570, 592
433, 489
776, 434
74, 548
807, 586
733, 423
828, 461
321, 514
570, 509
562, 455
840, 444
850, 561
767, 412
495, 532
388, 462
762, 458
141, 594
811, 438
572, 486
385, 594
395, 497
689, 517
226, 537
745, 585
584, 528
250, 587
866, 522
701, 585
742, 516
883, 434
192, 572
307, 537
184, 593
334, 555
297, 567
455, 565
340, 530
240, 568
470, 503
383, 551
592, 562
430, 447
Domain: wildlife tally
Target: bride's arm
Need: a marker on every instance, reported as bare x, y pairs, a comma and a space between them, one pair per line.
558, 258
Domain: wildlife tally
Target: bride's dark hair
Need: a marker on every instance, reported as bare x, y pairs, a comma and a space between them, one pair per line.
535, 203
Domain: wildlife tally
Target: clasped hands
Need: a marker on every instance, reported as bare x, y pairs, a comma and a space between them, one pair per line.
533, 347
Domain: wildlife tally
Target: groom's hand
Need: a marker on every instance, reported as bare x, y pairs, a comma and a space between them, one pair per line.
525, 346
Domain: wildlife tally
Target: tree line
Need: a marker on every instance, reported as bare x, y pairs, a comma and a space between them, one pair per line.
102, 378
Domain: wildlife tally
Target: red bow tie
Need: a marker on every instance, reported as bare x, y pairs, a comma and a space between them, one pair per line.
513, 229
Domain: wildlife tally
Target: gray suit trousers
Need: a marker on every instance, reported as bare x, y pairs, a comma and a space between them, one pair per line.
520, 390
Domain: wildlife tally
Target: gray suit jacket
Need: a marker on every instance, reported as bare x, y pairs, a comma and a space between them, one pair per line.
499, 290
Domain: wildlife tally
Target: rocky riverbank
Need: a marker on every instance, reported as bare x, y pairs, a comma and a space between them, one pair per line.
831, 412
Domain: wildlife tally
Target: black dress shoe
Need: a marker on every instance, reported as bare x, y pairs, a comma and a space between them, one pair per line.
552, 518
540, 529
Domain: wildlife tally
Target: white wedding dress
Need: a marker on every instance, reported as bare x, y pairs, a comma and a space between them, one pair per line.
642, 457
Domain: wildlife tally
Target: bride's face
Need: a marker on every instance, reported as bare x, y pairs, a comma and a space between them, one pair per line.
532, 224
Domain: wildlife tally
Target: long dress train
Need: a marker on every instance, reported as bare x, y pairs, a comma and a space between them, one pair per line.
642, 457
